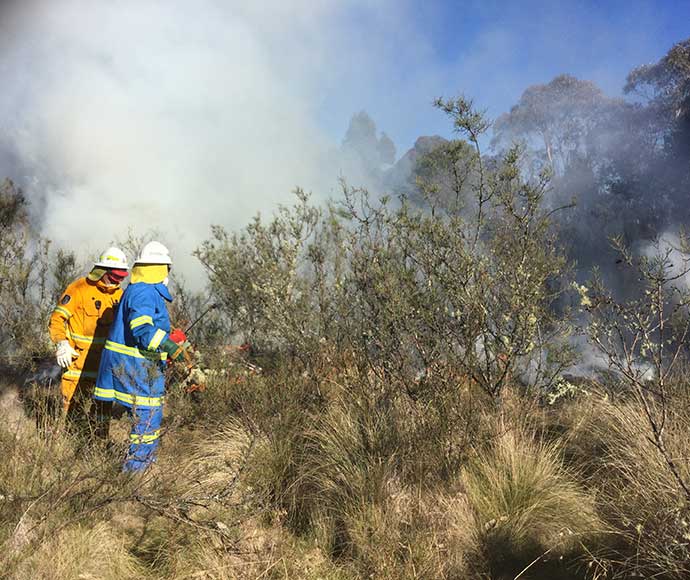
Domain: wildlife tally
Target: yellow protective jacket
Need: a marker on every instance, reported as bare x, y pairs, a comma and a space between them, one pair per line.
83, 316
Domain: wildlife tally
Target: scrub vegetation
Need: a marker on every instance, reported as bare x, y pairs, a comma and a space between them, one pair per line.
415, 396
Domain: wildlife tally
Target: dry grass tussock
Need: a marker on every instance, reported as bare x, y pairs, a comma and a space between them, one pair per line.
264, 551
517, 504
637, 493
48, 470
84, 552
343, 480
211, 467
529, 509
412, 535
52, 487
67, 512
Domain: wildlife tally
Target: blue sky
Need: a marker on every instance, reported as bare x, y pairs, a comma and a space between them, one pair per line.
493, 50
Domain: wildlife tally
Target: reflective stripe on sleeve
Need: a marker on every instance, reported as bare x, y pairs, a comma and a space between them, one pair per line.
136, 400
140, 320
158, 337
134, 351
76, 375
63, 311
145, 439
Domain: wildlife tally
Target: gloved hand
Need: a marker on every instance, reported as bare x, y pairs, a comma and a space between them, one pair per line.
65, 353
174, 350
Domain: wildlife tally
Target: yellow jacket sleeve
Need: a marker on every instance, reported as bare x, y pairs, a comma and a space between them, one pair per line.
57, 327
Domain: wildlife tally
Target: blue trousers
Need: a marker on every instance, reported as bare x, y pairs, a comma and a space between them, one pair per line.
143, 438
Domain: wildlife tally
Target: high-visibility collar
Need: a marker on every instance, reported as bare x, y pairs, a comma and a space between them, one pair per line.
162, 289
164, 292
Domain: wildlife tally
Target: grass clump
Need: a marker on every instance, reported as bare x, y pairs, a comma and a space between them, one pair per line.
412, 535
211, 466
50, 478
87, 552
637, 493
528, 507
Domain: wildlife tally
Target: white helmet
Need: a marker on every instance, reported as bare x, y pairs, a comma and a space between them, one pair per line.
112, 258
153, 253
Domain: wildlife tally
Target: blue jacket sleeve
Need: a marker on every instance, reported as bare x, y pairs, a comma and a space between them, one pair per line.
140, 320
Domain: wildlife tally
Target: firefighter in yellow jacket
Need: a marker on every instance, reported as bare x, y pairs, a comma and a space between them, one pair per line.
80, 323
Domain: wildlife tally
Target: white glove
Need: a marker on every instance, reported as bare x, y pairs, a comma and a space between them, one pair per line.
65, 353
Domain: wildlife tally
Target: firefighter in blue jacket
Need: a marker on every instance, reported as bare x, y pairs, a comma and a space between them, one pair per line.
132, 366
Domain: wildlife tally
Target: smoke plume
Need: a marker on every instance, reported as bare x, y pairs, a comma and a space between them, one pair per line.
172, 116
165, 115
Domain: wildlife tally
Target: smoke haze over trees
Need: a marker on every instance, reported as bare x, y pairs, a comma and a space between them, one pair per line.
98, 122
624, 162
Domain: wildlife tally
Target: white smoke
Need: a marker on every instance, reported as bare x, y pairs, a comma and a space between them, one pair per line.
169, 115
671, 250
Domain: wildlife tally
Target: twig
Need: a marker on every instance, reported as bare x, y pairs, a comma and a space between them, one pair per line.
533, 562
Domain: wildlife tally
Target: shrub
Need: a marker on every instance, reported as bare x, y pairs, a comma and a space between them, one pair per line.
25, 291
405, 291
277, 281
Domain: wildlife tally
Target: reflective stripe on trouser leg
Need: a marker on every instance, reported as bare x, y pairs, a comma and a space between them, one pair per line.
144, 437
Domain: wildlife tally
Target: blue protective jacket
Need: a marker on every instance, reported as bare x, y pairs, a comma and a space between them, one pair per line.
131, 369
